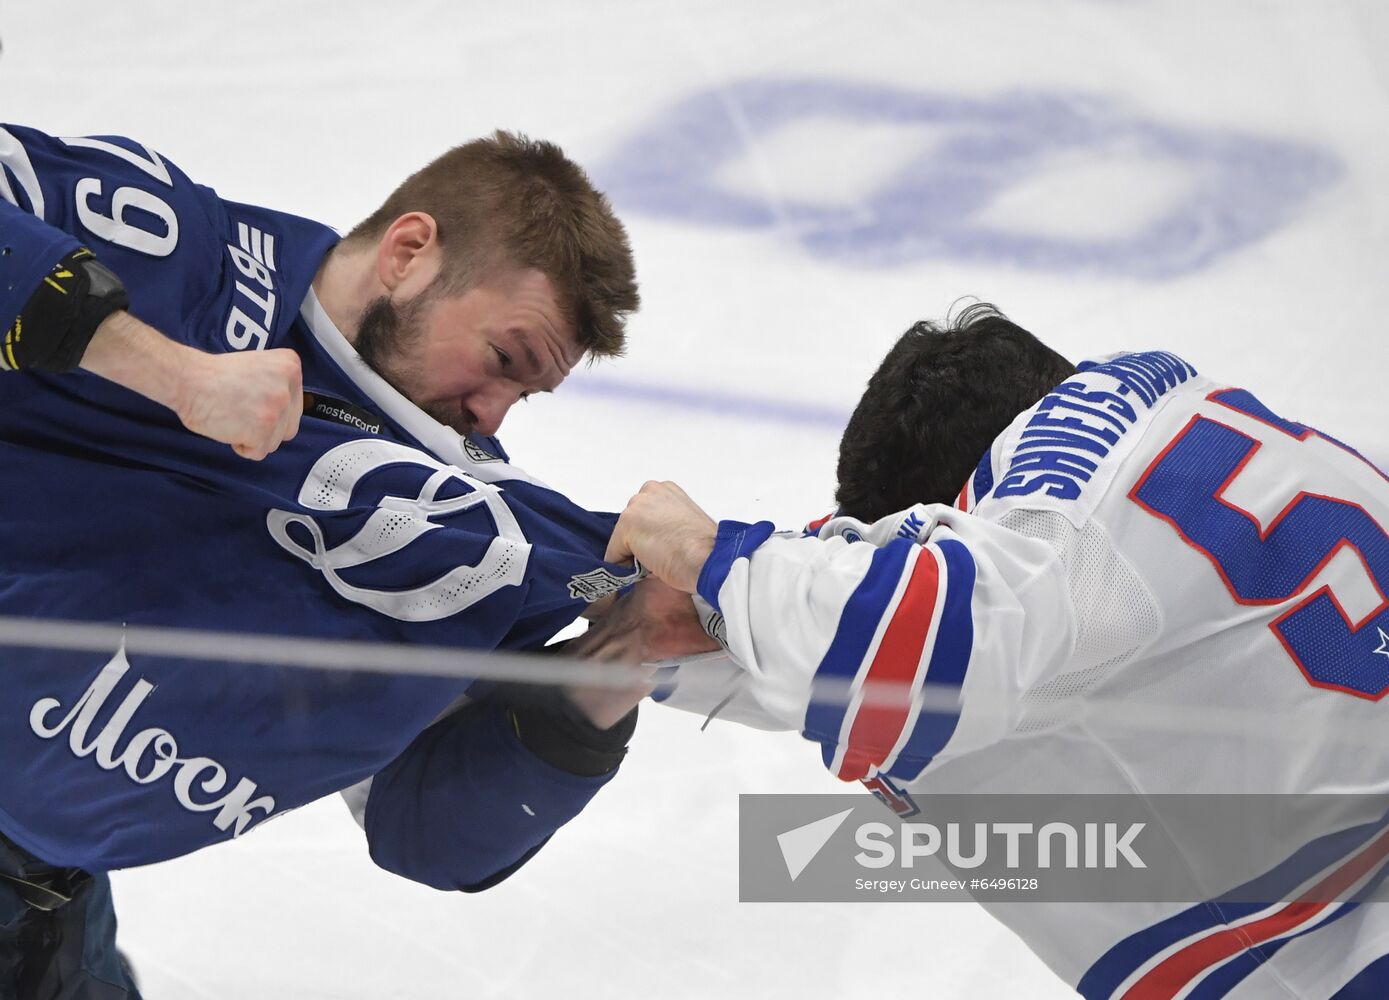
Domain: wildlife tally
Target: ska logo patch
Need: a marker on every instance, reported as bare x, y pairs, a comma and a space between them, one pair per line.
600, 583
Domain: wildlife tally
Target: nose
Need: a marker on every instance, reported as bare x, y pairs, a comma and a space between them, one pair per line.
489, 407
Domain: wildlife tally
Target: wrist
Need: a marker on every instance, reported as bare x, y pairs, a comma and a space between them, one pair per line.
604, 708
697, 551
131, 353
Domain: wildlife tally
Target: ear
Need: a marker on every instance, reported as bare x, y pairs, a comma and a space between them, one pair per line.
409, 255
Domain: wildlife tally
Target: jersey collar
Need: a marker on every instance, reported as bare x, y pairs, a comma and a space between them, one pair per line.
443, 441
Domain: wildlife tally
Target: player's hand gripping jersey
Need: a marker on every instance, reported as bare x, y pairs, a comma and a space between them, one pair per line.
1145, 538
376, 522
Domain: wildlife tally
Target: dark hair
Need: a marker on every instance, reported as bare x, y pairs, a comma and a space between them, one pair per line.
509, 202
935, 405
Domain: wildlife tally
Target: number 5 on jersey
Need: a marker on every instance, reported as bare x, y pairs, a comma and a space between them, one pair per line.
1203, 484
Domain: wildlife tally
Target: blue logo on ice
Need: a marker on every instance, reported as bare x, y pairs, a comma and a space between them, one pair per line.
912, 176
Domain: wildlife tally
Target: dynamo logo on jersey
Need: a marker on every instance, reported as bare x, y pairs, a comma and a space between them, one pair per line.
397, 522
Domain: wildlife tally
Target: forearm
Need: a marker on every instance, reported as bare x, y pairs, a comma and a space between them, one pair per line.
716, 686
782, 600
134, 354
75, 316
251, 400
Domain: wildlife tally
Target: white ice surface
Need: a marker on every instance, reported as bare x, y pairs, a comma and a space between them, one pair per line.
319, 107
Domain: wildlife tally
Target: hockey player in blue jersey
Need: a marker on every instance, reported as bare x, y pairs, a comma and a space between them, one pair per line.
1134, 530
76, 317
393, 514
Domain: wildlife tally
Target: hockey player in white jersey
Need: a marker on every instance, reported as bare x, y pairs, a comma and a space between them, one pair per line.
1143, 536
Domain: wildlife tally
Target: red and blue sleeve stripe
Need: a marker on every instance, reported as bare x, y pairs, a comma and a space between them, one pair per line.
908, 627
950, 656
1205, 951
857, 636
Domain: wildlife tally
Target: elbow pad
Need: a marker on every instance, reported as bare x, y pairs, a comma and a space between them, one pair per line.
52, 331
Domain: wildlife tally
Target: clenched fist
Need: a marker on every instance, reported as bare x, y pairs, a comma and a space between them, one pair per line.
251, 401
667, 533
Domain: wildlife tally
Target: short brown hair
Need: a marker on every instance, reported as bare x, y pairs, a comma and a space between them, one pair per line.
508, 201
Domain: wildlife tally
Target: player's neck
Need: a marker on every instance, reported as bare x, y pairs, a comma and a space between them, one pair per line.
344, 286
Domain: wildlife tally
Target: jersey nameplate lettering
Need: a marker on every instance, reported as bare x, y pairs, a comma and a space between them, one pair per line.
1065, 445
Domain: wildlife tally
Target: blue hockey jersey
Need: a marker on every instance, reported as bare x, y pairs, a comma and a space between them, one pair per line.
387, 528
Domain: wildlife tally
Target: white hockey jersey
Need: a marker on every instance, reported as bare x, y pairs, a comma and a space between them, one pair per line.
1143, 539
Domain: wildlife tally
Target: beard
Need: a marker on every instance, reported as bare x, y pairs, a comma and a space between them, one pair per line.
387, 338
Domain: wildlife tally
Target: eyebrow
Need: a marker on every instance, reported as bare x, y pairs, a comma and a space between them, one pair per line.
531, 356
525, 343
